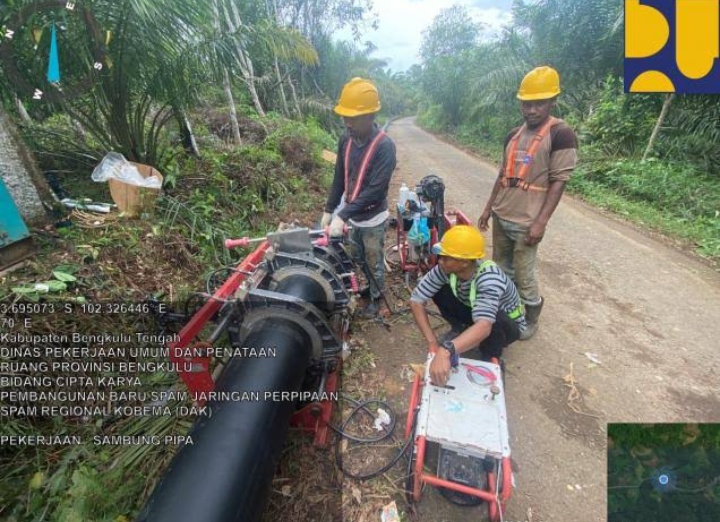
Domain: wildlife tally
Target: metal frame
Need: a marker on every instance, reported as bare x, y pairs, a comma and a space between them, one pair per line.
497, 494
241, 286
455, 217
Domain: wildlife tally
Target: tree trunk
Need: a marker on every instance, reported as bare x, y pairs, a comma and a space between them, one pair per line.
190, 137
298, 112
283, 98
246, 65
24, 116
658, 124
272, 11
227, 87
80, 132
186, 133
249, 77
23, 179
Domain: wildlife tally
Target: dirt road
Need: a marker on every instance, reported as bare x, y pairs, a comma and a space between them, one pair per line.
650, 314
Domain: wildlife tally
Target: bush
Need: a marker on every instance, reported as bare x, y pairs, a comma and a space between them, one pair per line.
674, 197
622, 124
434, 119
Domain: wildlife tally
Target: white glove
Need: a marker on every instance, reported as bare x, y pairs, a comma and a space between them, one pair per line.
337, 227
326, 218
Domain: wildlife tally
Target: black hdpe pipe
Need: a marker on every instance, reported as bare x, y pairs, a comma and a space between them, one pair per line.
226, 474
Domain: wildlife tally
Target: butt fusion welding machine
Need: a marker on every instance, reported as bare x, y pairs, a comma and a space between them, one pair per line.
292, 294
466, 422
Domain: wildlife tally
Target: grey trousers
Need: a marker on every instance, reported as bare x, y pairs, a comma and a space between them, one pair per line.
367, 247
517, 259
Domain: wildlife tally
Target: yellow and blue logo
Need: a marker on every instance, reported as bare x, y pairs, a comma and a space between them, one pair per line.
672, 46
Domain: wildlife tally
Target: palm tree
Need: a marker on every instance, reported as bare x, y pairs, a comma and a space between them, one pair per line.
159, 54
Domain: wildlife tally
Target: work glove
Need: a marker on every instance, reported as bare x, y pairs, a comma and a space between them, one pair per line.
326, 218
337, 227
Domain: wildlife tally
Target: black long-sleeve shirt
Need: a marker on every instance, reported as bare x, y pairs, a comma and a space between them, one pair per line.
372, 197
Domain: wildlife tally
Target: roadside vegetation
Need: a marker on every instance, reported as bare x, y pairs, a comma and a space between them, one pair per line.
668, 181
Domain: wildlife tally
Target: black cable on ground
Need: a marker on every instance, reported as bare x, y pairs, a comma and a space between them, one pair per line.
388, 432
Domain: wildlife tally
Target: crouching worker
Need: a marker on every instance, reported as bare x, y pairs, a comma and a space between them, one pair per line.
479, 301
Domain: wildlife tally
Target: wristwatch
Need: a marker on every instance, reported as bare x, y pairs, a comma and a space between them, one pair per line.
454, 358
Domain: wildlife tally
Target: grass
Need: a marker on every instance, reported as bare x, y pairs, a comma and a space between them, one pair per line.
671, 198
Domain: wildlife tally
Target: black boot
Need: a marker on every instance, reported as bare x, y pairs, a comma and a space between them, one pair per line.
532, 317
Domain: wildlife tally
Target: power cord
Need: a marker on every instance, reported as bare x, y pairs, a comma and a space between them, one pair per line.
388, 431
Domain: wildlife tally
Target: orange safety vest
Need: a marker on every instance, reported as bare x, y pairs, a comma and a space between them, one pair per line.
509, 172
367, 156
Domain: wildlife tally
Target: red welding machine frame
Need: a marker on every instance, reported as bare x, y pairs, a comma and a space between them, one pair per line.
495, 501
455, 217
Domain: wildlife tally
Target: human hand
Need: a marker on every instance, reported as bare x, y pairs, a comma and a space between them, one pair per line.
326, 218
433, 346
535, 233
337, 227
483, 220
440, 368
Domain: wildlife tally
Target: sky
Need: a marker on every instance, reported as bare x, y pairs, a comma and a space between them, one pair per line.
401, 23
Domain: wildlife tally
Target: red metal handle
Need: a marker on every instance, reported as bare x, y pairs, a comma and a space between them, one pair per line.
481, 371
233, 243
243, 241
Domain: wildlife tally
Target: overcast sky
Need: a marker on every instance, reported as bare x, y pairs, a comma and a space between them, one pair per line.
402, 22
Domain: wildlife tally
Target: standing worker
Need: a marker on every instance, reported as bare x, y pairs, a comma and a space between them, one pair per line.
538, 160
479, 301
359, 192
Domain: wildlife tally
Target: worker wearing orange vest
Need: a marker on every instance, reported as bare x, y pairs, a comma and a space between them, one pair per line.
359, 192
539, 158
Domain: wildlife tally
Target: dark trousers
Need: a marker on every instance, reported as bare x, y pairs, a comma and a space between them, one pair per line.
504, 330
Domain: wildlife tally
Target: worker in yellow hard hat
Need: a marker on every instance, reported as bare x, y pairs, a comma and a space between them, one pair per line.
359, 192
479, 301
539, 158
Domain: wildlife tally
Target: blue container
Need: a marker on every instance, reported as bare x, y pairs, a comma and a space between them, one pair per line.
12, 226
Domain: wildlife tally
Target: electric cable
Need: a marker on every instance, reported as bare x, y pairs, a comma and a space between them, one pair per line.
209, 279
388, 261
409, 471
388, 432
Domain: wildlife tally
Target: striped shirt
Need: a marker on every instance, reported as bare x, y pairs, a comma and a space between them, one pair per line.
495, 291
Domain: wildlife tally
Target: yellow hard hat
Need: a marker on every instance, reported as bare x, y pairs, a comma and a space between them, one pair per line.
461, 242
541, 83
358, 97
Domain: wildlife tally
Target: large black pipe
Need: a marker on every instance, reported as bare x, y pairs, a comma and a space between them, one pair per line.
226, 474
301, 286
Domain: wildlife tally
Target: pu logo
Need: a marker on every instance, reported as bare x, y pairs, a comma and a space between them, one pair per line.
672, 46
